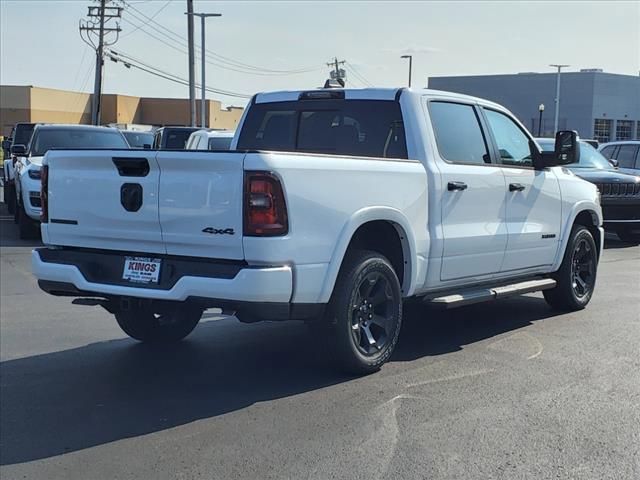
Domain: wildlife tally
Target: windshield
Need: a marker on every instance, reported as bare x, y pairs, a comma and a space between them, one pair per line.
45, 140
23, 133
589, 156
138, 139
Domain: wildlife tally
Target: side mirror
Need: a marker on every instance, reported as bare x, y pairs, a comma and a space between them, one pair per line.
146, 146
18, 150
567, 148
614, 163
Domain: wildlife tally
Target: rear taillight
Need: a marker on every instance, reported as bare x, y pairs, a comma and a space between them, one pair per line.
265, 211
44, 194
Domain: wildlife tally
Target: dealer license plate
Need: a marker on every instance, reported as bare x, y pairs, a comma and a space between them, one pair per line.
141, 270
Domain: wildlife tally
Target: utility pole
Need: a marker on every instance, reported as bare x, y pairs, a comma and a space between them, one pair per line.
338, 74
96, 23
557, 100
203, 84
192, 65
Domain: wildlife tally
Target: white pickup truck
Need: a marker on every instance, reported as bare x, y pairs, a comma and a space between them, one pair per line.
334, 207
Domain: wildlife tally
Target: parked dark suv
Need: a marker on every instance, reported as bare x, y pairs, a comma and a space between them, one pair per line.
623, 154
620, 192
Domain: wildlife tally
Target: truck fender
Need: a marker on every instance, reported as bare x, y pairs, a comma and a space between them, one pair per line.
576, 209
359, 218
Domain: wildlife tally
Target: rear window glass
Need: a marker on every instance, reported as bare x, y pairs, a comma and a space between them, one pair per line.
367, 128
176, 139
44, 140
220, 143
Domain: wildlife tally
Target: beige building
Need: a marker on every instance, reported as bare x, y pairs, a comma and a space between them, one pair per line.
21, 103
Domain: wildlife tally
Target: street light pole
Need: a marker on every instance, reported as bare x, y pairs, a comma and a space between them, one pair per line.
203, 85
540, 110
192, 68
555, 121
410, 57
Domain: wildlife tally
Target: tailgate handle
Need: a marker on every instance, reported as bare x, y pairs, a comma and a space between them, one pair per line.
131, 167
131, 196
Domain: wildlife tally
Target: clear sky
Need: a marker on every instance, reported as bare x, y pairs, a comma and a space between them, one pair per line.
40, 44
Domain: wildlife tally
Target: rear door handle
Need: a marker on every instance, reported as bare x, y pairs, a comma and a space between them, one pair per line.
516, 187
451, 186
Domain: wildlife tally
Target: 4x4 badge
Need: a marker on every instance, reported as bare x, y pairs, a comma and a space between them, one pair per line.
219, 231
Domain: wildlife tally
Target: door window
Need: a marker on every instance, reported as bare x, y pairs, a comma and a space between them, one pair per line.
513, 144
458, 133
627, 156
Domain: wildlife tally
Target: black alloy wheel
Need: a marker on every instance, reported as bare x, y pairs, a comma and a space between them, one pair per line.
576, 277
583, 268
373, 317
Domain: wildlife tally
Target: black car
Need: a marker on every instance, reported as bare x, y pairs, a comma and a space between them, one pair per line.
620, 192
172, 138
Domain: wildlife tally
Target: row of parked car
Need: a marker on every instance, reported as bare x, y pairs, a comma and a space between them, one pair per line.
614, 167
29, 142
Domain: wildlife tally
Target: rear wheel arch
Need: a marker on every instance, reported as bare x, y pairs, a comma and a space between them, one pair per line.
362, 235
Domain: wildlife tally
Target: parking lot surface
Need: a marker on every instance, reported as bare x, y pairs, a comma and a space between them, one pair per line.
509, 389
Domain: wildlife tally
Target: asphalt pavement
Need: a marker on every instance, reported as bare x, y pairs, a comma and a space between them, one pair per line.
504, 390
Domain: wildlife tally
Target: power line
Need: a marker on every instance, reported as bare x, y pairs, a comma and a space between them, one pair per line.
358, 75
214, 58
151, 18
129, 61
217, 55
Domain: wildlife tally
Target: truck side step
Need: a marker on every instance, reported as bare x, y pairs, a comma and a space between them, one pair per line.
468, 297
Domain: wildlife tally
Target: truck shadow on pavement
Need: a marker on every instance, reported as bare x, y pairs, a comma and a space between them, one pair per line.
71, 400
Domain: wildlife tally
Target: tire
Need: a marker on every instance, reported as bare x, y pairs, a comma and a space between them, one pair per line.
628, 234
576, 278
10, 198
26, 226
168, 325
364, 314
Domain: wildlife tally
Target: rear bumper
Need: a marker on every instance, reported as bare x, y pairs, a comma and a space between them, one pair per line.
269, 284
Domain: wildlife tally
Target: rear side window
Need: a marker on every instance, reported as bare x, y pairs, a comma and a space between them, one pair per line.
367, 128
458, 133
627, 156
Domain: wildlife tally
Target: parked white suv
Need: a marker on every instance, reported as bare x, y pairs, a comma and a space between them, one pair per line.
332, 207
210, 140
29, 164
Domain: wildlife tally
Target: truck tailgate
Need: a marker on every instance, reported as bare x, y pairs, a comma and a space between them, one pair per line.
104, 199
201, 203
